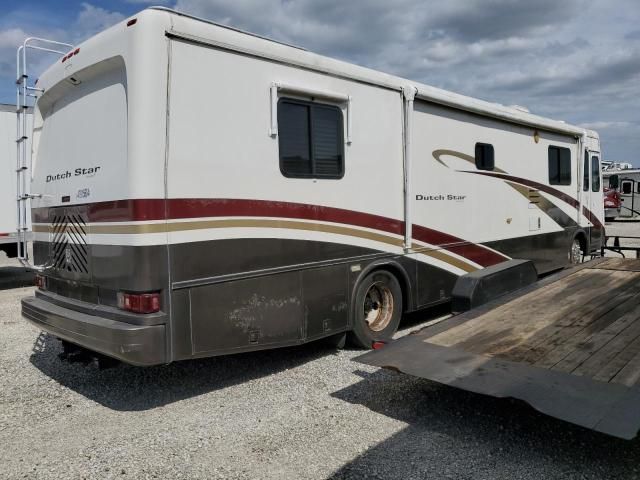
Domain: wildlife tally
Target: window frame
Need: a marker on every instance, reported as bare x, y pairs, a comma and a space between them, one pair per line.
311, 105
559, 182
493, 156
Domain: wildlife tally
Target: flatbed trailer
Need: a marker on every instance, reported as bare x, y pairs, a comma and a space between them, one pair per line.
568, 345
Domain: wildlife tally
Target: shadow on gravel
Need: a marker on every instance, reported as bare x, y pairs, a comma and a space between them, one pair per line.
456, 434
128, 388
15, 277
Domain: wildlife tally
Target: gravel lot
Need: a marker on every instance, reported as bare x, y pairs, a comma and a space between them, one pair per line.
305, 412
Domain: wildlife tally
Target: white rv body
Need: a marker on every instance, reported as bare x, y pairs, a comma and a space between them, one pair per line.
157, 151
8, 160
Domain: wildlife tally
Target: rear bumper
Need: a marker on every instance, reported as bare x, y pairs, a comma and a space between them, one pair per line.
611, 212
141, 345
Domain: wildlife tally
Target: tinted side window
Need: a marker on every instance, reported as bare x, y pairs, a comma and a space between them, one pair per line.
627, 187
585, 172
485, 158
310, 140
595, 174
295, 151
559, 166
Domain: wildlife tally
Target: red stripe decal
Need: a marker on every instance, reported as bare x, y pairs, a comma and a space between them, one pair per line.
183, 208
476, 253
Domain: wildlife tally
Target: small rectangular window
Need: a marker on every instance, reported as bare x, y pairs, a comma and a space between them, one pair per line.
559, 166
585, 172
613, 181
485, 159
310, 140
595, 174
627, 187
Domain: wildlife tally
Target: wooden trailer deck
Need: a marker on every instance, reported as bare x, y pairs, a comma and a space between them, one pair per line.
569, 345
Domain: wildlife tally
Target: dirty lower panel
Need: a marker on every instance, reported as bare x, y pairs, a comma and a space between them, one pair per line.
244, 313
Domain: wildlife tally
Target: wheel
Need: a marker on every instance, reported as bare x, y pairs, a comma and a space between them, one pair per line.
575, 253
377, 309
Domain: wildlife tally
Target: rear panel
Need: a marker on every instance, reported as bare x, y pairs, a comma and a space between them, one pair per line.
98, 165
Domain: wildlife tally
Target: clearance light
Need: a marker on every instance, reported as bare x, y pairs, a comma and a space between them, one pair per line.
132, 22
139, 302
70, 54
40, 282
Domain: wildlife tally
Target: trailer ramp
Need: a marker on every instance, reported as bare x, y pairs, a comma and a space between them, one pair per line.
569, 346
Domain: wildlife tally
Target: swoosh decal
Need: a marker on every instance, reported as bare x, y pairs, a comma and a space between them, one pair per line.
548, 207
136, 210
545, 188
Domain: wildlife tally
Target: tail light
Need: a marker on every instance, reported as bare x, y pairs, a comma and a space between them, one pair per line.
139, 302
40, 282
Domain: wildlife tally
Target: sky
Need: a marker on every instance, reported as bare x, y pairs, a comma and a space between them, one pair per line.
572, 60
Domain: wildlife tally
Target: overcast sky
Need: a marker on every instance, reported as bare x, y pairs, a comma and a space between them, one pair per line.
574, 60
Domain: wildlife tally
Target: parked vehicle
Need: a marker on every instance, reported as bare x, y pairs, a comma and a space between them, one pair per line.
612, 204
207, 191
9, 238
627, 183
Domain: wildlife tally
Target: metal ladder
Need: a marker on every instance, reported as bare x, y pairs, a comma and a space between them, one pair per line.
25, 98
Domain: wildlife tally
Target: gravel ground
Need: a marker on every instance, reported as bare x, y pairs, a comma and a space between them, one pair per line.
304, 412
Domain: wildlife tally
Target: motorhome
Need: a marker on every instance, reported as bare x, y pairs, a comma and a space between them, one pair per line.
10, 239
202, 191
626, 182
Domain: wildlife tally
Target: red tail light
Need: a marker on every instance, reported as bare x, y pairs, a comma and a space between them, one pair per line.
40, 281
139, 302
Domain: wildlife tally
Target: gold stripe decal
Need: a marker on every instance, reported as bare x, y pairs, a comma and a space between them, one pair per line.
148, 228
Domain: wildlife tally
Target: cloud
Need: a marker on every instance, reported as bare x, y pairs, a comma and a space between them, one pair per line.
92, 19
603, 125
150, 2
576, 60
86, 22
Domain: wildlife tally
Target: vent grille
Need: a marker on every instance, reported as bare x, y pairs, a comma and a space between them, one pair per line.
69, 243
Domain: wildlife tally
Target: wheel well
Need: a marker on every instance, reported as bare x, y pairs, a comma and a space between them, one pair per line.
403, 280
582, 238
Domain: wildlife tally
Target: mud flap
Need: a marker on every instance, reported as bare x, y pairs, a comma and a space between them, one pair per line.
482, 286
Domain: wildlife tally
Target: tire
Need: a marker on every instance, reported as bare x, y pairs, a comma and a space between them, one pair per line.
575, 252
377, 309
